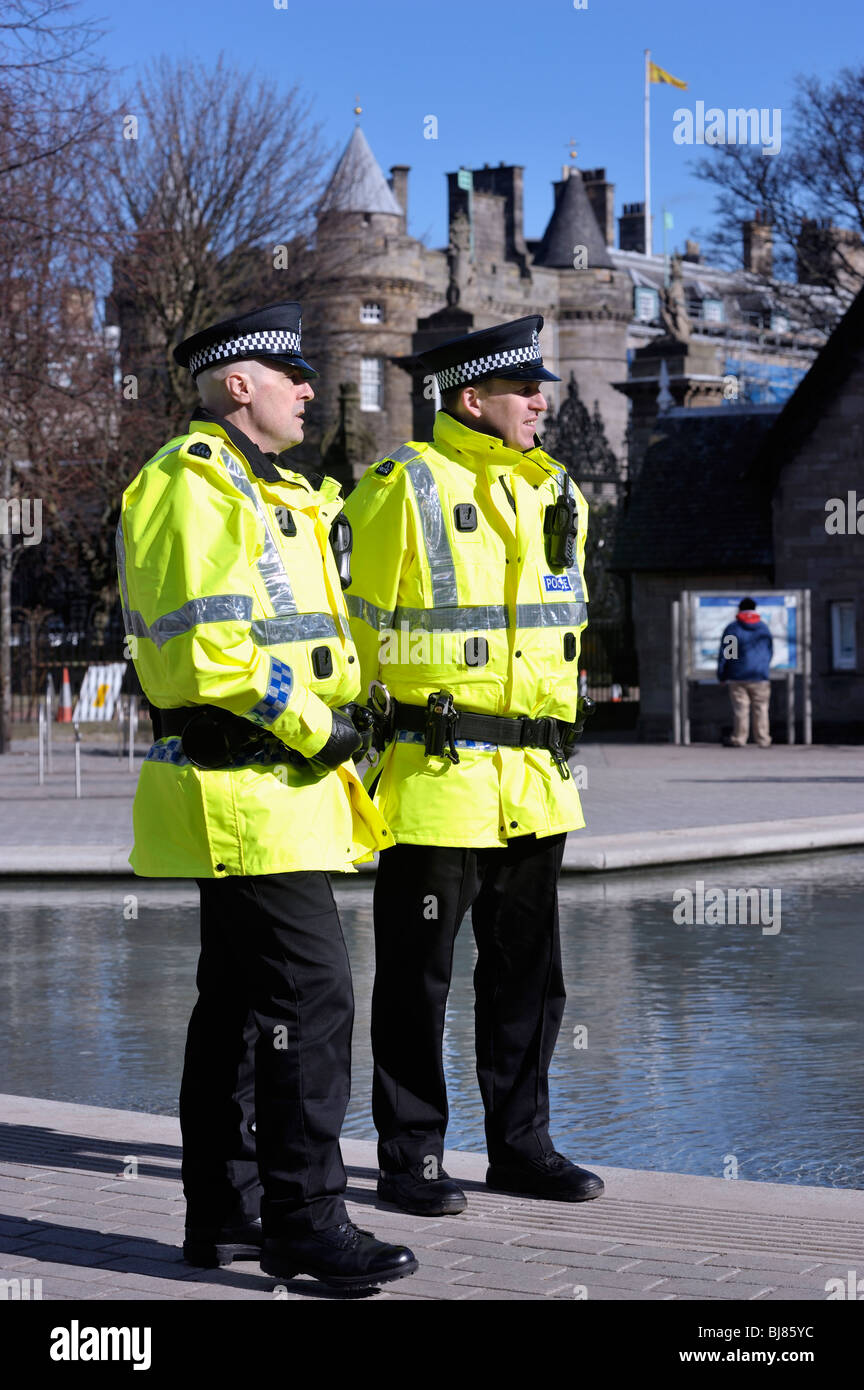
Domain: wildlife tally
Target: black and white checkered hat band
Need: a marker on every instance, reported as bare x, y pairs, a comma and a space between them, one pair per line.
250, 344
494, 364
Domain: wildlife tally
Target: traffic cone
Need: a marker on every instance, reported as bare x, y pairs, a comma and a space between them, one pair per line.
64, 709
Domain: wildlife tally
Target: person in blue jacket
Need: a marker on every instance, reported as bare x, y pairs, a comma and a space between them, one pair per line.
744, 662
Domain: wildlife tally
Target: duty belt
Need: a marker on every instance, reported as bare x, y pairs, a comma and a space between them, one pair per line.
213, 737
441, 724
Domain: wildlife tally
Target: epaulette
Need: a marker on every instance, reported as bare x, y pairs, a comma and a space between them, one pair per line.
392, 464
200, 446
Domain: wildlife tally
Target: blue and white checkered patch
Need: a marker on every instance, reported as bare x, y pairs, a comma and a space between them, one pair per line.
170, 750
556, 584
275, 700
167, 750
410, 736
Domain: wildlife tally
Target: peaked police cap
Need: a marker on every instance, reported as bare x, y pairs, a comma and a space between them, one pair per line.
508, 350
270, 332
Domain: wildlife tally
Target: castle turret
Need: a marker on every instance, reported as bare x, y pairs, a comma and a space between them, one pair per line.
594, 302
370, 285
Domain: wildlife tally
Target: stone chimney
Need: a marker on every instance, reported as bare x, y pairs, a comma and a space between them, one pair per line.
78, 309
692, 252
601, 196
631, 227
758, 244
829, 256
399, 184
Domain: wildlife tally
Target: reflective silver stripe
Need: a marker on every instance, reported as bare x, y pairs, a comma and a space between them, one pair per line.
564, 484
300, 627
483, 618
270, 565
442, 570
551, 614
404, 454
121, 571
218, 608
377, 618
163, 453
491, 617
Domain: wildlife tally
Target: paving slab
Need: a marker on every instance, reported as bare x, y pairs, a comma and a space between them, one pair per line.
689, 1237
645, 804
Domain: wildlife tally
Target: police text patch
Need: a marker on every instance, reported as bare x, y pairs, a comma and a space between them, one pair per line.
556, 583
385, 468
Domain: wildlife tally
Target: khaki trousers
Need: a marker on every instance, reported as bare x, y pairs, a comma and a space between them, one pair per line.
747, 696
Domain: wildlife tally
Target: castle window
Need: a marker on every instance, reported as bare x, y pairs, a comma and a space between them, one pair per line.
371, 383
646, 304
371, 313
712, 311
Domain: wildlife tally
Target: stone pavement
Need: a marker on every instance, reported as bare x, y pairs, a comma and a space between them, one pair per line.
644, 804
72, 1218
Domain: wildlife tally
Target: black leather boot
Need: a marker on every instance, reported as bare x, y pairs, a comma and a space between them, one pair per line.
342, 1256
421, 1196
553, 1177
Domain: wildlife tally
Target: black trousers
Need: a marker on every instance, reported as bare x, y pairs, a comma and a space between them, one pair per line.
269, 1041
421, 895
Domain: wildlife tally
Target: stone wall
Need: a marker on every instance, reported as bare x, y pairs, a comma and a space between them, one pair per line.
828, 464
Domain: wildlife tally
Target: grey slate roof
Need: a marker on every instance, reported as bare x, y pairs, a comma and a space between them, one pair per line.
840, 357
700, 501
572, 224
357, 183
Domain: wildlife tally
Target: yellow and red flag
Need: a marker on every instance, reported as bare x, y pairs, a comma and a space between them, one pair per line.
656, 74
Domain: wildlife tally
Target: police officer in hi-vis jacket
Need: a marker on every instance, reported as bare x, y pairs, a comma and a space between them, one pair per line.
467, 603
231, 571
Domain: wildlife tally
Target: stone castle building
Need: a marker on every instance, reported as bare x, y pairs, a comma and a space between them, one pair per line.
626, 326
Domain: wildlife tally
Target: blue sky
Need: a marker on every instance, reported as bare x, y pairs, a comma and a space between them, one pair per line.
509, 81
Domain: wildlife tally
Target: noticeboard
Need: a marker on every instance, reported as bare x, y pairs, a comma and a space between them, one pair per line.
710, 612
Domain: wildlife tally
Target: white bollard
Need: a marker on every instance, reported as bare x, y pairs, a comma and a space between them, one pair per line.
49, 719
77, 763
40, 759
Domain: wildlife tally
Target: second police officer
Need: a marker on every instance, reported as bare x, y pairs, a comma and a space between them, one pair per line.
232, 599
468, 602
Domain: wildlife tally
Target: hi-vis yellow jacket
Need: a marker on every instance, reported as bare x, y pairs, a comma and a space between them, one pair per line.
449, 549
228, 585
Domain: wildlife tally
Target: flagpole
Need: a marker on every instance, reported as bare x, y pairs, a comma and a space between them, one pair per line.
647, 155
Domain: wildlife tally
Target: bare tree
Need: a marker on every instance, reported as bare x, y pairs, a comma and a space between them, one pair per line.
208, 209
51, 81
50, 121
815, 183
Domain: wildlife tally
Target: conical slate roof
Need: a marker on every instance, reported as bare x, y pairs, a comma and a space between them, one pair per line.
572, 224
357, 184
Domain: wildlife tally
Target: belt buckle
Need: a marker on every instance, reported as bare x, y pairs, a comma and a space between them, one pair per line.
528, 731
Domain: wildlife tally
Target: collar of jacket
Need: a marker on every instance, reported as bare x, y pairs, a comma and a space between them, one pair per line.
262, 465
478, 450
